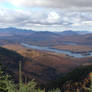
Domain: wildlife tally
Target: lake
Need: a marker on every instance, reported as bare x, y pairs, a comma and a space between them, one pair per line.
69, 53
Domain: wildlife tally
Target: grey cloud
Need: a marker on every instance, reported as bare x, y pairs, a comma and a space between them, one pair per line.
62, 4
33, 20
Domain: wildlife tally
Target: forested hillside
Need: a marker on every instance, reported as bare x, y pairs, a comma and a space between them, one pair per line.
12, 74
11, 64
79, 80
10, 61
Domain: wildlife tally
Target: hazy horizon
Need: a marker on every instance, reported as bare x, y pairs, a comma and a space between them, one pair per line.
29, 29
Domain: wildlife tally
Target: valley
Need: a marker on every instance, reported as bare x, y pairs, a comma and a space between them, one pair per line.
48, 55
46, 66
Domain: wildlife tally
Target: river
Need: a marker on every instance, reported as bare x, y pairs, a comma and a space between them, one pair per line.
69, 53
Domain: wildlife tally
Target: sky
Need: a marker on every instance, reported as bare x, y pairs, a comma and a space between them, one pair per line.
47, 15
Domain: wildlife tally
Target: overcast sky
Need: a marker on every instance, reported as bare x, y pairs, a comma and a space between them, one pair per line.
47, 15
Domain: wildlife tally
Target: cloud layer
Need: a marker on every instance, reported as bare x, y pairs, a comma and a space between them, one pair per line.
51, 20
48, 15
66, 4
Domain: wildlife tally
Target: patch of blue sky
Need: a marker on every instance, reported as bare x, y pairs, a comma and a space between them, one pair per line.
9, 6
12, 7
6, 5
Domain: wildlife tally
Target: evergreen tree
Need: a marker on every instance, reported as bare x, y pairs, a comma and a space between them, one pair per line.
29, 87
6, 85
3, 86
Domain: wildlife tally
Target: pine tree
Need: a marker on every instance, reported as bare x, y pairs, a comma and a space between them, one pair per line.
3, 86
20, 75
29, 87
6, 85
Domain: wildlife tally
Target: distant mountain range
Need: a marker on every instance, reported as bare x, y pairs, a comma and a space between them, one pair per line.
16, 31
20, 31
44, 38
70, 32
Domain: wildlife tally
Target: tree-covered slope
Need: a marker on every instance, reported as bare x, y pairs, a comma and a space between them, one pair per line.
78, 79
10, 61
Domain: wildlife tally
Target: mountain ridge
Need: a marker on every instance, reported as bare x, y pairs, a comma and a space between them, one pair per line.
27, 30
